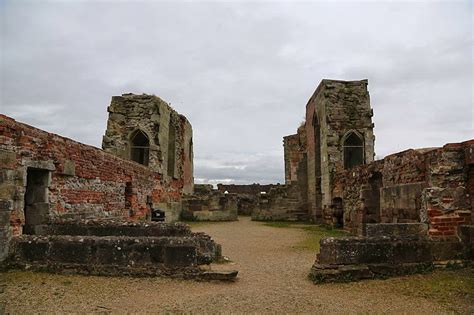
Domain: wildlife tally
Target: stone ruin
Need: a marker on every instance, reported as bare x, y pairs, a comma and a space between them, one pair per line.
209, 204
409, 212
67, 206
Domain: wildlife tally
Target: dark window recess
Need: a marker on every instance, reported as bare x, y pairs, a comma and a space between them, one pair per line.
353, 151
140, 148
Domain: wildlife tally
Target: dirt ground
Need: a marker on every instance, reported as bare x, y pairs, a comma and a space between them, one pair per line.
272, 279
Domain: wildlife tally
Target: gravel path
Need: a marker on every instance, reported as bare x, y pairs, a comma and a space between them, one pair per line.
272, 279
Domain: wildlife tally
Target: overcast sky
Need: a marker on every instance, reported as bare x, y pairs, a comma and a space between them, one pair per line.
241, 72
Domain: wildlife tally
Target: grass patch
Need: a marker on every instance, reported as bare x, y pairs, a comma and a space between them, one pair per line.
447, 287
314, 233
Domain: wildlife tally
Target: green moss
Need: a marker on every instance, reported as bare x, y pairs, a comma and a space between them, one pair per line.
314, 233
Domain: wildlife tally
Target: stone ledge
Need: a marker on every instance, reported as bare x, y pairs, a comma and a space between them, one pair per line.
113, 228
347, 273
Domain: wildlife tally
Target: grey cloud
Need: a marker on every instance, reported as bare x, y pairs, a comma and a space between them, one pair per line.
242, 72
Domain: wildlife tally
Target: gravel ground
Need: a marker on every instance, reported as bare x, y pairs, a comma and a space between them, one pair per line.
272, 279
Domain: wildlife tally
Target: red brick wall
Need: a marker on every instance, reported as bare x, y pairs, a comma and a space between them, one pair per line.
102, 185
447, 202
441, 178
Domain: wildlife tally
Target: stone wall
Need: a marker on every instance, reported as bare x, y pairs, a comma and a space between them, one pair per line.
388, 249
208, 204
68, 179
280, 204
429, 185
247, 195
337, 112
170, 151
101, 247
252, 189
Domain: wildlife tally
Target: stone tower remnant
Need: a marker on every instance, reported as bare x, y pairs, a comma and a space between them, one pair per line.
145, 129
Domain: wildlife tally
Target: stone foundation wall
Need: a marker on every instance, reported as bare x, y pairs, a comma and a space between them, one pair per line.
114, 248
388, 250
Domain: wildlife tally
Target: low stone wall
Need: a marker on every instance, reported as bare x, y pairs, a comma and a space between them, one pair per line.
355, 258
388, 249
117, 248
246, 204
167, 256
208, 204
114, 228
280, 204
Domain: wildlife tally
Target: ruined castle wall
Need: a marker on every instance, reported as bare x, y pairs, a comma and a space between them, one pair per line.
430, 186
169, 134
336, 109
447, 200
81, 181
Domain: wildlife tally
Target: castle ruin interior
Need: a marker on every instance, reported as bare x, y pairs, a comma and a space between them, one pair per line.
70, 206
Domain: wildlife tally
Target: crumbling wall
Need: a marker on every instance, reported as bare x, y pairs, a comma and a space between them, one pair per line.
447, 201
247, 195
336, 110
280, 204
81, 181
170, 151
208, 204
296, 165
429, 185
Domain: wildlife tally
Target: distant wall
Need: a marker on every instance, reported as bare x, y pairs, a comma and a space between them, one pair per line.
251, 189
208, 204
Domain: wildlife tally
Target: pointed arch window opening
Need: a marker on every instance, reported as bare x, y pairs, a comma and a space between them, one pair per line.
140, 148
353, 151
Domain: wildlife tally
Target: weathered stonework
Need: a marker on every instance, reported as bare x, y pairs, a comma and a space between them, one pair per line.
208, 204
424, 193
248, 196
337, 112
108, 247
169, 135
45, 176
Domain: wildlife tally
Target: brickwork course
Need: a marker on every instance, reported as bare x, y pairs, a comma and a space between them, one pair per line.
46, 176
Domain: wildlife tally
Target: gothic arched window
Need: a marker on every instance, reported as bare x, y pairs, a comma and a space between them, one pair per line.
353, 150
139, 147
